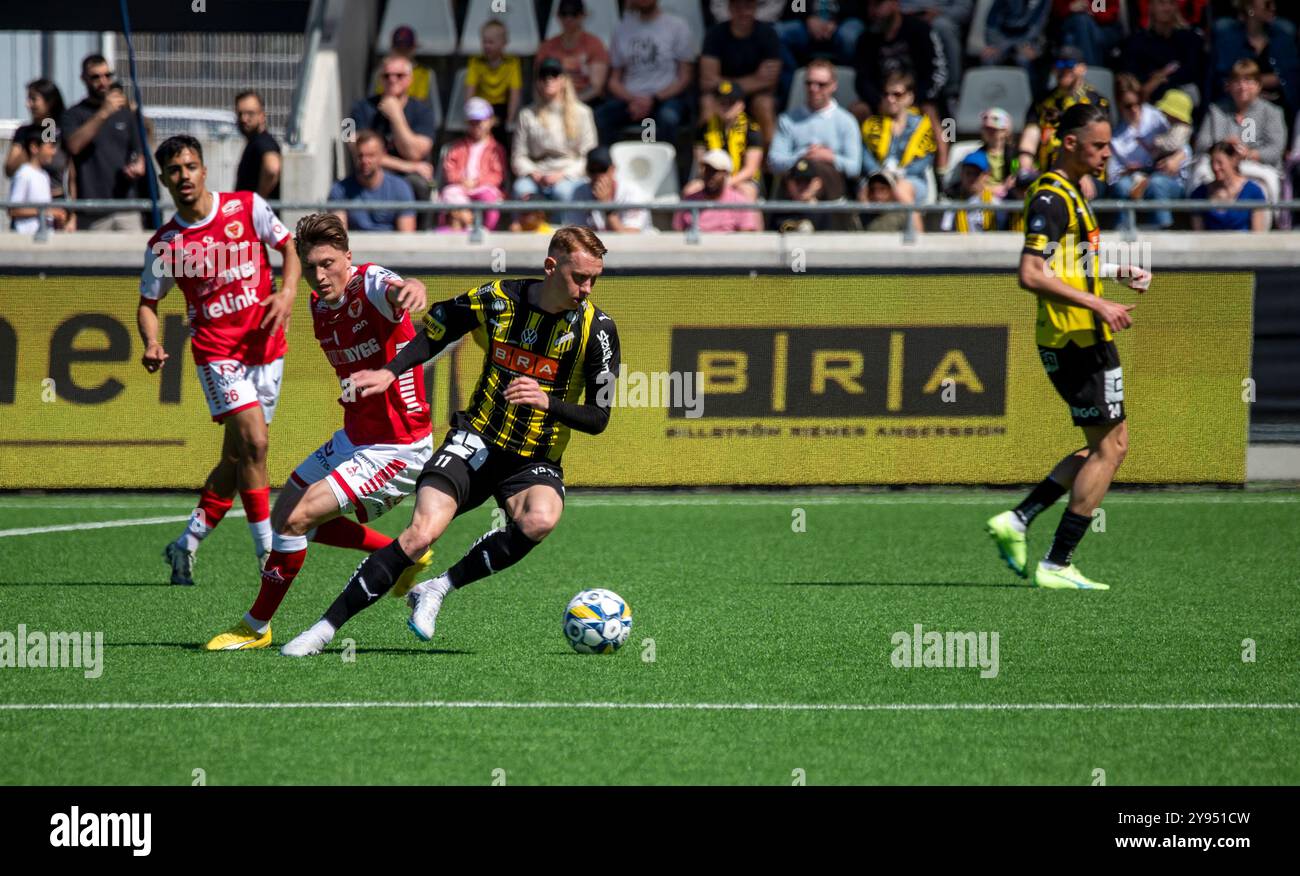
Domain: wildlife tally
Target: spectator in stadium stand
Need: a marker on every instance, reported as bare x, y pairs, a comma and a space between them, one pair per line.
474, 168
102, 136
1167, 54
1004, 163
1229, 185
804, 185
602, 185
1094, 28
1138, 167
31, 184
1247, 122
259, 166
1038, 140
44, 101
820, 132
900, 138
582, 54
496, 77
747, 52
652, 57
770, 11
731, 130
823, 29
881, 188
895, 42
950, 21
406, 126
1015, 32
1192, 12
554, 135
716, 170
1258, 34
974, 189
532, 221
402, 43
370, 182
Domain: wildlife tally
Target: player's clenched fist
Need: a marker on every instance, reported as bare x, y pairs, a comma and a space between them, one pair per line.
367, 383
154, 357
525, 391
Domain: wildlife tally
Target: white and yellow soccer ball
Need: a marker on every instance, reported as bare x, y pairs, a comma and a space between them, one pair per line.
597, 622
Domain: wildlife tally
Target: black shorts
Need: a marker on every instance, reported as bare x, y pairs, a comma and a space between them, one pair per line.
1089, 379
469, 469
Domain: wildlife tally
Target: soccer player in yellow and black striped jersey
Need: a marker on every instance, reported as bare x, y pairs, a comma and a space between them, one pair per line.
551, 362
1060, 264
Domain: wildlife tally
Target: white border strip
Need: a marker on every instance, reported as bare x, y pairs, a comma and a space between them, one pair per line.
102, 524
687, 707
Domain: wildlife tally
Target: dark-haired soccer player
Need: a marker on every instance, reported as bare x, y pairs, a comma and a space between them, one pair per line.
361, 317
547, 345
215, 250
1060, 264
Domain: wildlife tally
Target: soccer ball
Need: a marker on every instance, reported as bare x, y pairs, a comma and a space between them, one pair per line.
597, 622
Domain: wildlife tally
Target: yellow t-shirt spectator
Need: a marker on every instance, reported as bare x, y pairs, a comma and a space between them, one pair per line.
494, 84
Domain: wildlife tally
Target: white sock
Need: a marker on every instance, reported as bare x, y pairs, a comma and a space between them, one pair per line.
1017, 524
323, 630
256, 625
1050, 566
195, 531
261, 531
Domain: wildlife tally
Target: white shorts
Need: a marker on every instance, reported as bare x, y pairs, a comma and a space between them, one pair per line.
369, 479
232, 386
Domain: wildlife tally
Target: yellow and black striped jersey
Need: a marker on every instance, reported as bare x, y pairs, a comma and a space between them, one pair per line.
1060, 227
568, 353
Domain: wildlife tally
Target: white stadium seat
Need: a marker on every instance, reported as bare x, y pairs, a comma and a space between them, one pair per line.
520, 20
648, 168
456, 104
602, 15
432, 21
984, 87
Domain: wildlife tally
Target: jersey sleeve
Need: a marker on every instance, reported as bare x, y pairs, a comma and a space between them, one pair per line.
155, 279
270, 230
376, 286
600, 370
1046, 218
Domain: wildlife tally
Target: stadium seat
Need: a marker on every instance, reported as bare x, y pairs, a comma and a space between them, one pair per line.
602, 15
1103, 80
984, 87
432, 21
519, 18
975, 39
648, 168
846, 93
456, 121
693, 12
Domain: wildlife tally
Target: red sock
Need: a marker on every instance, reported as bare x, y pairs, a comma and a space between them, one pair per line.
206, 516
257, 507
346, 533
280, 570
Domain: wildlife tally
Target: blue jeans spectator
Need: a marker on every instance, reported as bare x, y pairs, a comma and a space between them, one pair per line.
798, 49
668, 116
562, 189
1095, 41
1160, 187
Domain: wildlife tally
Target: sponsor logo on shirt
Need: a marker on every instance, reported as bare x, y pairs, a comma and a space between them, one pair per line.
525, 362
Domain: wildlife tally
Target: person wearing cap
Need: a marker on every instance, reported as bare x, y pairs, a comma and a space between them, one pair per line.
973, 188
731, 130
880, 188
820, 132
1015, 32
1166, 54
716, 170
747, 52
804, 184
602, 185
1004, 163
652, 57
495, 76
1132, 172
581, 53
1094, 28
554, 135
1038, 140
900, 138
474, 168
402, 43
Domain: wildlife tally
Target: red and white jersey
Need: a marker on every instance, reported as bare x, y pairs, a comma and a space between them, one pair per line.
222, 266
361, 332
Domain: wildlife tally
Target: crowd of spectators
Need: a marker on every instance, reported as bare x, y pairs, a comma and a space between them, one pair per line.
820, 101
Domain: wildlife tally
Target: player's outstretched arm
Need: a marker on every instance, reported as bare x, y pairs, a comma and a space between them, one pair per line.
279, 307
146, 320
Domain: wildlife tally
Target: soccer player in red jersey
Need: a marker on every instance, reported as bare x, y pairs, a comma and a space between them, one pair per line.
361, 317
215, 250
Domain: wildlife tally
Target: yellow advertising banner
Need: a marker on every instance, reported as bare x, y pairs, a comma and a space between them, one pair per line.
780, 380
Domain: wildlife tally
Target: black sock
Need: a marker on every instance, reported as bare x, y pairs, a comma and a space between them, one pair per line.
496, 551
1069, 532
372, 579
1039, 499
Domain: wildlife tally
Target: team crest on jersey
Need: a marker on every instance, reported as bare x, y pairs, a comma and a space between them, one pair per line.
529, 336
498, 305
354, 308
563, 343
234, 229
1050, 365
168, 236
229, 208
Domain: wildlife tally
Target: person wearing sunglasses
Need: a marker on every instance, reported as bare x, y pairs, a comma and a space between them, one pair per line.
819, 132
103, 139
1039, 141
580, 52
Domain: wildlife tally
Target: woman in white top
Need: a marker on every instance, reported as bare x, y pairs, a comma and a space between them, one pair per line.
1137, 170
552, 138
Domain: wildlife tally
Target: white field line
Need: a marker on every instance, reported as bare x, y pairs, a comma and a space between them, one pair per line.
667, 706
102, 524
